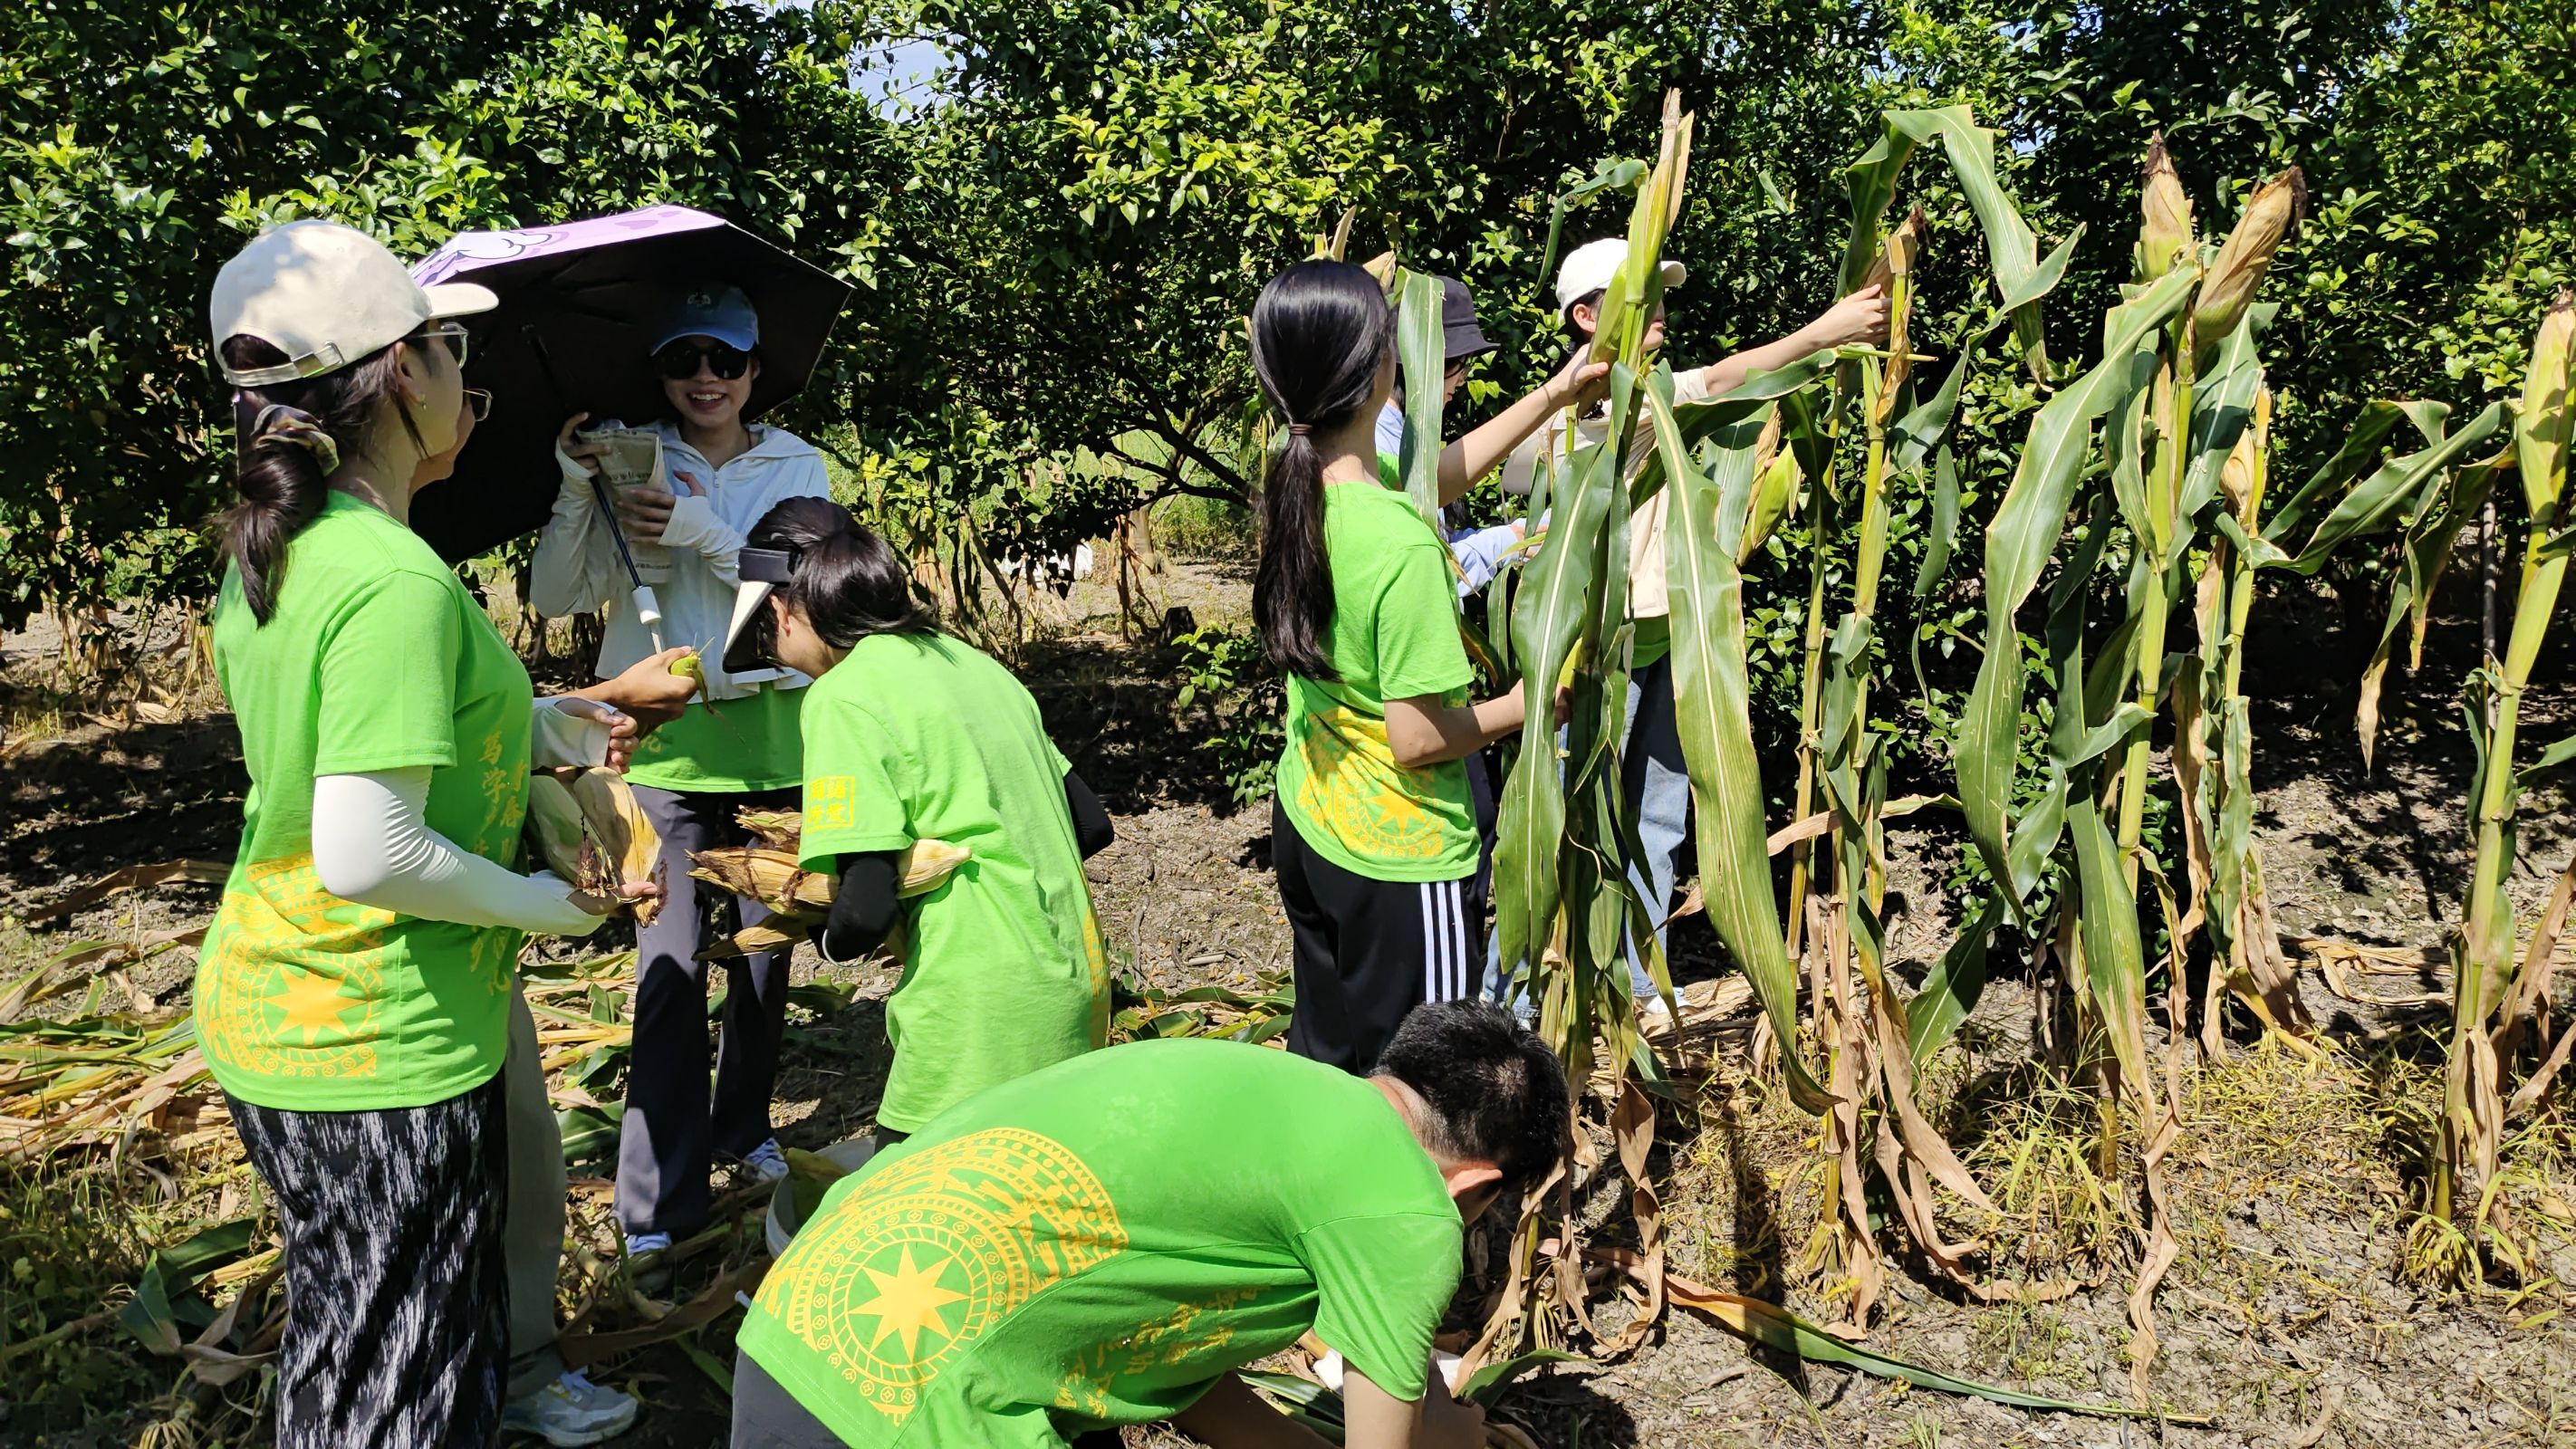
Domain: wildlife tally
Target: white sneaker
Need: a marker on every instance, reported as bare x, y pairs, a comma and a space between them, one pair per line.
570, 1412
767, 1160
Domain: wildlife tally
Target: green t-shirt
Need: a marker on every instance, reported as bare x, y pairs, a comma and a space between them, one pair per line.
375, 659
1099, 1242
1654, 640
1394, 636
920, 737
746, 744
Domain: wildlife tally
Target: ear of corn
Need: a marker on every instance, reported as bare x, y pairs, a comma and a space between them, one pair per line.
776, 880
560, 834
2271, 215
632, 847
2164, 220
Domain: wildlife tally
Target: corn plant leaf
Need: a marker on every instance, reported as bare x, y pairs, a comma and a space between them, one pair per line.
2012, 252
1558, 595
2114, 959
1485, 1384
1956, 981
1945, 525
2019, 540
1710, 696
2378, 500
1419, 348
2427, 555
2360, 448
1700, 416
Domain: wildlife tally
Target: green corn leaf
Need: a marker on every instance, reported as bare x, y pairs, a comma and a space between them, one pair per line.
2427, 555
2114, 960
2012, 252
1419, 346
1945, 524
2397, 485
1710, 697
2328, 485
1559, 595
2023, 534
1950, 992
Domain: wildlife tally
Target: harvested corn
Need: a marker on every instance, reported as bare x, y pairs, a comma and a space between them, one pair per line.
798, 898
586, 827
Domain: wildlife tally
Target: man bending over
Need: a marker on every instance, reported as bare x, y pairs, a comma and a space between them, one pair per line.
1105, 1241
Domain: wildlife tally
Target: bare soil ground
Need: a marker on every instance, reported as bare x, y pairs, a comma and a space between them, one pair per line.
2286, 1320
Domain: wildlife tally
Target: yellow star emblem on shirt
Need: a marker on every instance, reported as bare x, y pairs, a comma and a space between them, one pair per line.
311, 1003
910, 1300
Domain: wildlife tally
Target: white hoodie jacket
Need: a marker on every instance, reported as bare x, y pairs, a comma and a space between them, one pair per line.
577, 570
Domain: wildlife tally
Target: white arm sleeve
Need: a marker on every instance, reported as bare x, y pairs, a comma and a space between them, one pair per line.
559, 736
370, 845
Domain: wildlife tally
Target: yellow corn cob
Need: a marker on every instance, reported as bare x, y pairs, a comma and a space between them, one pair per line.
774, 829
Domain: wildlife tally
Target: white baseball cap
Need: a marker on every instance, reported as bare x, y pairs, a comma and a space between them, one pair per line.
1589, 268
326, 295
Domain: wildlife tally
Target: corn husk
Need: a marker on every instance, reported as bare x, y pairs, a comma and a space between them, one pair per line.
773, 829
2540, 446
560, 837
632, 846
2228, 289
2164, 214
1775, 489
798, 899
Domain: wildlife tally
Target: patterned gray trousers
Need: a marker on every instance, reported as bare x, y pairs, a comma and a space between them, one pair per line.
396, 1299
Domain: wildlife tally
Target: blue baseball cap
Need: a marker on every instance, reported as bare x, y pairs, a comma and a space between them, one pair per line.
720, 312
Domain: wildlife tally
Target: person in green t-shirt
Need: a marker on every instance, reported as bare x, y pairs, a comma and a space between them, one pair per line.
736, 750
1107, 1241
911, 735
1372, 833
352, 993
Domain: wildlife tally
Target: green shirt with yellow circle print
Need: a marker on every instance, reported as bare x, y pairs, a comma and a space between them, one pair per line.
1394, 636
375, 658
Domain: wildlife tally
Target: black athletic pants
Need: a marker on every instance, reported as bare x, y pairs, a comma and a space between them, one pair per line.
397, 1295
1369, 951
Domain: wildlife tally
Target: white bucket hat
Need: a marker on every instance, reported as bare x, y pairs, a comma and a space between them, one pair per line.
1589, 268
326, 295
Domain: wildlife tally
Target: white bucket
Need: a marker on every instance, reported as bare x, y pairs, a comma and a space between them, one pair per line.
783, 1217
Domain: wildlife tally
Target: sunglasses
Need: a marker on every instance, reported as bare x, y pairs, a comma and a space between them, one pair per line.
451, 333
679, 360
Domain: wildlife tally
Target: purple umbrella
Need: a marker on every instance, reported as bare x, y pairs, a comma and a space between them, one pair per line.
570, 336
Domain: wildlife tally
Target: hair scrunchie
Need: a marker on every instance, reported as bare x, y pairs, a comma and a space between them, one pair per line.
296, 428
1299, 430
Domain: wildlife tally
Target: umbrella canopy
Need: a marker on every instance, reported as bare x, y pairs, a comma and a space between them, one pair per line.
570, 335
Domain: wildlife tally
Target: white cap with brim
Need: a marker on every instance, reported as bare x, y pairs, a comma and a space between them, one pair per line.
1588, 269
326, 295
761, 570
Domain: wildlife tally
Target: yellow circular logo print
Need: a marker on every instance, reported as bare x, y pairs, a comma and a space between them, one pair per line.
293, 985
916, 1262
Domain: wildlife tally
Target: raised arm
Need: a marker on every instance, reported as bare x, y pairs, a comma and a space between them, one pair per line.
575, 570
1578, 384
1857, 320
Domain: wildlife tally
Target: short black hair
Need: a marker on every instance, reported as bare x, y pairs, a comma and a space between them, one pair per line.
846, 581
1496, 1092
1591, 299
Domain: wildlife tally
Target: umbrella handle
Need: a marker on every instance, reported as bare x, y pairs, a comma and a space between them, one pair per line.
648, 612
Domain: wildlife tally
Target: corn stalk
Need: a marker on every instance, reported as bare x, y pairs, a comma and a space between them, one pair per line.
1563, 900
2491, 1004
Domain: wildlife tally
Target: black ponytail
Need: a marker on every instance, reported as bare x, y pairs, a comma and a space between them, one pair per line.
846, 582
292, 435
1320, 335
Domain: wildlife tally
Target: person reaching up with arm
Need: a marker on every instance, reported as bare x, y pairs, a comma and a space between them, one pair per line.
1372, 832
1655, 784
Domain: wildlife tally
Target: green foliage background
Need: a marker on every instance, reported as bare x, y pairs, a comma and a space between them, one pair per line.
1058, 211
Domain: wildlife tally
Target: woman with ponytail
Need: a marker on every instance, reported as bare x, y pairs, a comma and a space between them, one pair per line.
911, 735
1372, 833
353, 992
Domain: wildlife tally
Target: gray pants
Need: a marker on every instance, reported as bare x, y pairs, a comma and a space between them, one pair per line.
532, 1230
673, 1128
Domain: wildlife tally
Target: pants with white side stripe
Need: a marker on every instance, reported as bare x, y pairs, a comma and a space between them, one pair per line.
1369, 951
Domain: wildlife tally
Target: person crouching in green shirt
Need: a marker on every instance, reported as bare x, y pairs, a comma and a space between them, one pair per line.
912, 735
1107, 1241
